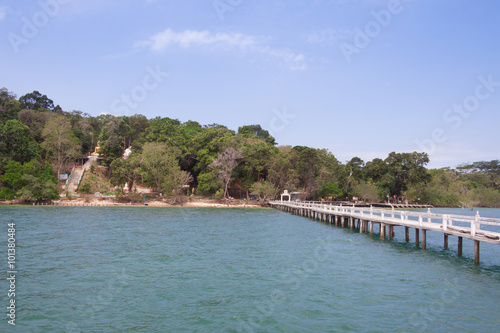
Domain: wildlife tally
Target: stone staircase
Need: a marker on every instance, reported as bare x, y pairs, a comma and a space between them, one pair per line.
73, 181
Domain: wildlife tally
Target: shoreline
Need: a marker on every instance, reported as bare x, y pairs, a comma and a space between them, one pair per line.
198, 203
94, 202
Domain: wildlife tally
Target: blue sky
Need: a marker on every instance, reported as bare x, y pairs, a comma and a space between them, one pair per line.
359, 78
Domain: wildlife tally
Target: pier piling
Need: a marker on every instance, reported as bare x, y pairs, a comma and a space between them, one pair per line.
364, 220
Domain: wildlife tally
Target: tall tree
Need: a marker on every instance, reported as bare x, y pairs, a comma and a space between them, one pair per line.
126, 170
9, 105
36, 100
60, 144
204, 147
160, 168
177, 179
165, 130
16, 143
35, 120
224, 165
282, 169
256, 131
407, 169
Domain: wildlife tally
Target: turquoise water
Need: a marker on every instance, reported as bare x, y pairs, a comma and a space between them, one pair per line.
105, 269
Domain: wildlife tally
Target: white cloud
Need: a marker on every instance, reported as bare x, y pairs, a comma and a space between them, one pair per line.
190, 38
3, 12
222, 41
328, 36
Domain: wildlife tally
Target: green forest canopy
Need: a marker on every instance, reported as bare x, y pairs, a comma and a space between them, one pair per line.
39, 140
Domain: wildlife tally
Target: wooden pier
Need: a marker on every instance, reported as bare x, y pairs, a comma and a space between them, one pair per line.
364, 219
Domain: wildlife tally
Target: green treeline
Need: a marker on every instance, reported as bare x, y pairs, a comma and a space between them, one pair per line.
39, 141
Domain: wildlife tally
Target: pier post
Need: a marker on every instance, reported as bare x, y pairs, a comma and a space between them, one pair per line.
476, 252
371, 227
351, 222
389, 235
407, 234
336, 220
382, 231
360, 226
445, 241
459, 246
417, 237
424, 239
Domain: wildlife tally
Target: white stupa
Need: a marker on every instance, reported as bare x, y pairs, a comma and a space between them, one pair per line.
127, 153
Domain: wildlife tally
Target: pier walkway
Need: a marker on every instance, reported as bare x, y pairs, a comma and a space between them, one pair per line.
477, 228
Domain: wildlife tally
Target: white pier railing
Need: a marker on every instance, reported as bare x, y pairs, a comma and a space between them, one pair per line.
477, 228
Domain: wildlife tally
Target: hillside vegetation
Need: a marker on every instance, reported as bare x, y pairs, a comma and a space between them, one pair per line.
39, 141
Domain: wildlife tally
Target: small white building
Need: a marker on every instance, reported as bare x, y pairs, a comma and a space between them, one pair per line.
286, 194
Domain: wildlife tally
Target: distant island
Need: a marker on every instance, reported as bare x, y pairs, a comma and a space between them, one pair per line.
48, 154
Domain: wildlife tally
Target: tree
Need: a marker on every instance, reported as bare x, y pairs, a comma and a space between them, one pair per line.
330, 190
125, 171
29, 183
113, 138
265, 190
224, 165
208, 181
204, 147
16, 143
256, 131
255, 165
138, 123
12, 178
177, 179
353, 172
282, 168
366, 190
35, 120
315, 168
407, 169
36, 100
9, 105
157, 162
375, 169
308, 165
37, 189
354, 168
60, 144
165, 130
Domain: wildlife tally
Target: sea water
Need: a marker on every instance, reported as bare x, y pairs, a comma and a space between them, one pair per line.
145, 269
